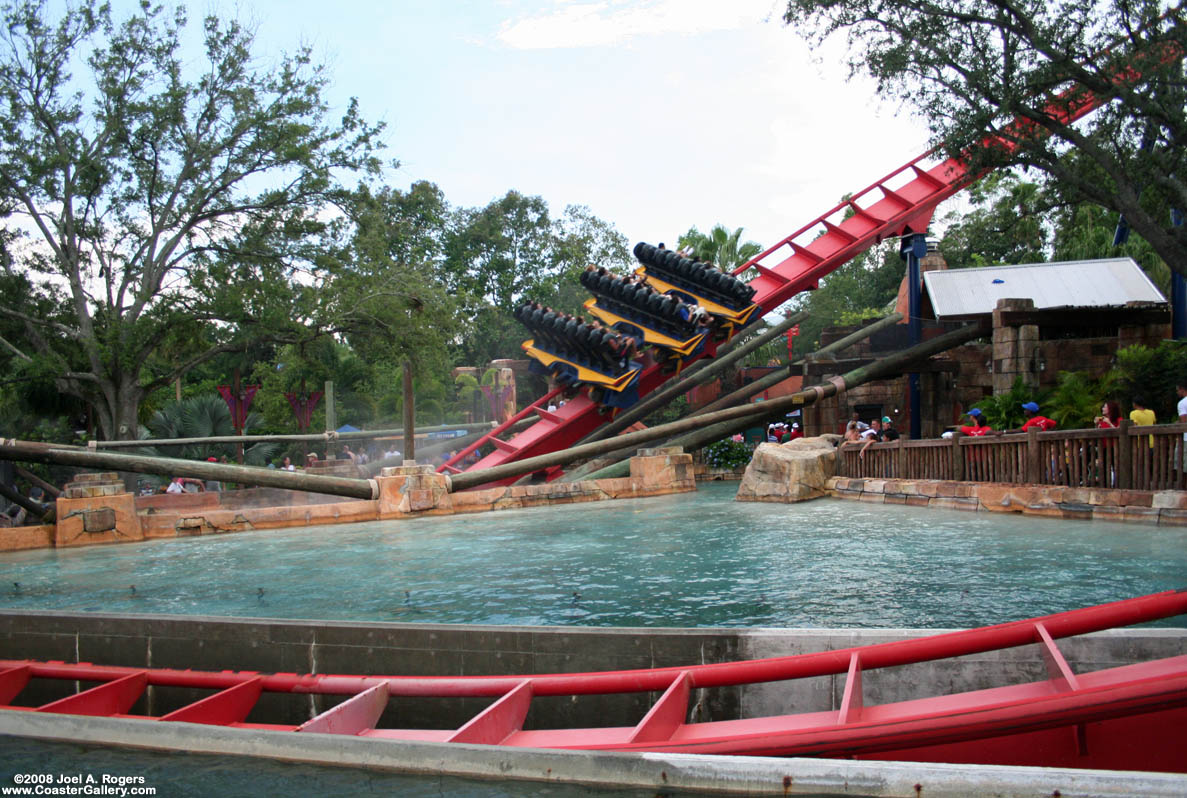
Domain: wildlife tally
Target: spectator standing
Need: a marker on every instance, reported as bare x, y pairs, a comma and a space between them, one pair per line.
1181, 390
796, 432
1110, 416
978, 427
1033, 419
889, 433
213, 484
871, 435
852, 433
1142, 415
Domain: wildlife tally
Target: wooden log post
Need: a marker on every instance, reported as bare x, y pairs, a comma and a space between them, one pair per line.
1034, 458
958, 471
331, 419
33, 479
409, 416
1124, 455
763, 383
31, 452
32, 508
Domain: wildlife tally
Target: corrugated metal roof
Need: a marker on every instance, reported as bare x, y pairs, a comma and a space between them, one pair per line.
1112, 282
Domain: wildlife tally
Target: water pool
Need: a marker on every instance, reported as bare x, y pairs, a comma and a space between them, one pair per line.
683, 560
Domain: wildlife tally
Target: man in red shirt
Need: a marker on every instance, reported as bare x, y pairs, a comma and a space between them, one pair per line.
978, 427
1033, 419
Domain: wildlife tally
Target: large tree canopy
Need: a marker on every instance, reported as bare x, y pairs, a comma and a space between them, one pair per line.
160, 209
971, 67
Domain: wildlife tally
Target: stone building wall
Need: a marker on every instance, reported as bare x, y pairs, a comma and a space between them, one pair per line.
977, 370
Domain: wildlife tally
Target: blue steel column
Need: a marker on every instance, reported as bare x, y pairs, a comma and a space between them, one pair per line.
913, 248
1178, 291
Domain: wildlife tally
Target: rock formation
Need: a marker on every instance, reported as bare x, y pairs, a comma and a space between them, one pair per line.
789, 472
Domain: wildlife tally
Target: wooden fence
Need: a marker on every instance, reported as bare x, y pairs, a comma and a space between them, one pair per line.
1131, 457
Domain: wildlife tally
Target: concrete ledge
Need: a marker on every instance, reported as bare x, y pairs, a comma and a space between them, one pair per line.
659, 773
1049, 501
19, 538
404, 492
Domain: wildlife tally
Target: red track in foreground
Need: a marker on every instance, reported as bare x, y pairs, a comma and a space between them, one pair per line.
1129, 717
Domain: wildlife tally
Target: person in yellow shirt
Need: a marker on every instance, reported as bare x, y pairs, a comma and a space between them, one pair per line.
1142, 415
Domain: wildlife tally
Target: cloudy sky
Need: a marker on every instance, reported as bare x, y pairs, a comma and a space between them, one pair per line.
657, 114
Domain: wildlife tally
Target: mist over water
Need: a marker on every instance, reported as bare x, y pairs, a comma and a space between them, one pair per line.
684, 560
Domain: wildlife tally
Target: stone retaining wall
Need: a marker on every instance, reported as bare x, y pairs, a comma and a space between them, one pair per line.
97, 511
1168, 507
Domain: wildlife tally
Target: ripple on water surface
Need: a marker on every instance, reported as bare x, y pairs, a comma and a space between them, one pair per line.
684, 560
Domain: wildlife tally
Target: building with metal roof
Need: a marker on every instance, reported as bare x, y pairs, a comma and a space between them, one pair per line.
965, 294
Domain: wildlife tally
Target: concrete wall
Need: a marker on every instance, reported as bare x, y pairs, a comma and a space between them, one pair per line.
420, 649
1163, 507
98, 511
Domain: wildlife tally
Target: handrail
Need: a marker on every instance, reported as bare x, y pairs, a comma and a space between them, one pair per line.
1127, 457
1127, 612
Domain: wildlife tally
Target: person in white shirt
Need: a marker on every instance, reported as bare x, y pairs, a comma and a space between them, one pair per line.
1181, 390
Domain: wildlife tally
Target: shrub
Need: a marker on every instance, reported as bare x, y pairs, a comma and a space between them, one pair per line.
727, 454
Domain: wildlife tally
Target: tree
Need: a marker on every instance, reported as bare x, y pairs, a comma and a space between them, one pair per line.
971, 67
1007, 224
1086, 232
720, 246
512, 250
204, 417
862, 288
159, 213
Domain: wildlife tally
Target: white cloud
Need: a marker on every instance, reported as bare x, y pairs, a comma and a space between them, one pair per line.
613, 22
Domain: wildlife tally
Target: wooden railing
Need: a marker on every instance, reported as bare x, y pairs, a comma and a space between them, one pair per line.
1130, 457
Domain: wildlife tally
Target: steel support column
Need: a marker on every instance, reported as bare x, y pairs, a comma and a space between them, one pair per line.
913, 248
1178, 292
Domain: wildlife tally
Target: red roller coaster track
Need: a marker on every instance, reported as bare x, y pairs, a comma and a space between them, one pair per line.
1128, 717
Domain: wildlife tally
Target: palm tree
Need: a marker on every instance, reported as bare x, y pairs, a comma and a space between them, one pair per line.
203, 417
720, 246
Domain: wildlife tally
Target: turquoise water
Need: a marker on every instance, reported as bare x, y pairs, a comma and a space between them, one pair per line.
684, 560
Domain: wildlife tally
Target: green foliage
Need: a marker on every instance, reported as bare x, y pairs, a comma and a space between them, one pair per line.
204, 417
970, 69
864, 287
1012, 220
721, 247
1004, 410
511, 250
171, 210
1005, 225
673, 411
1076, 400
727, 454
1085, 232
1152, 373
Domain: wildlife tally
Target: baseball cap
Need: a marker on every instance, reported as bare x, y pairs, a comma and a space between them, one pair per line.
1031, 406
886, 420
975, 412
